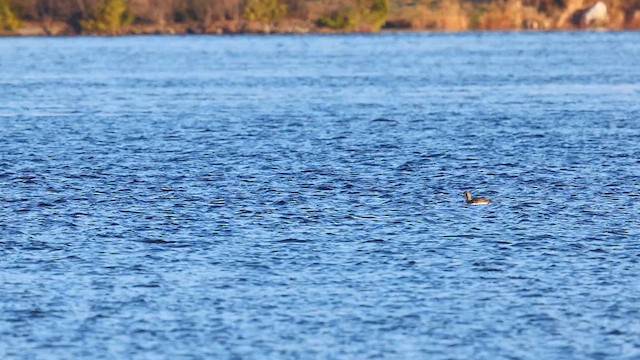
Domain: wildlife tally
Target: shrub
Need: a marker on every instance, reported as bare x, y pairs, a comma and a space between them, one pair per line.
475, 20
367, 15
266, 11
375, 12
8, 20
110, 17
345, 18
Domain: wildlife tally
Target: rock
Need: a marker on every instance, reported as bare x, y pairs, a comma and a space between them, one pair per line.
632, 20
56, 28
596, 15
531, 24
165, 31
196, 29
256, 27
571, 14
401, 24
30, 29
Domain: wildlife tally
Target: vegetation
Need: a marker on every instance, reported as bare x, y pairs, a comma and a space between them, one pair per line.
344, 18
365, 15
8, 20
375, 12
233, 16
265, 11
110, 17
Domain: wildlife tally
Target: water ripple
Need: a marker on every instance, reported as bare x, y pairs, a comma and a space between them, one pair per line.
299, 197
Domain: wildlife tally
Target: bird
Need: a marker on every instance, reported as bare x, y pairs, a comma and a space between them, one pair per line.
476, 201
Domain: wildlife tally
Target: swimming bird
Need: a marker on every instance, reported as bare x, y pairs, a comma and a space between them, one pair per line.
476, 201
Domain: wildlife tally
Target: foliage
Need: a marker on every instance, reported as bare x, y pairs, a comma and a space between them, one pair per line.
375, 12
110, 17
345, 18
8, 19
367, 15
475, 20
266, 11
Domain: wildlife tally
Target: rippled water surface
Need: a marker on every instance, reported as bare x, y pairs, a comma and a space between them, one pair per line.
300, 197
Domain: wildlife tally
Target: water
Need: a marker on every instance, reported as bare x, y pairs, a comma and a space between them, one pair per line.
300, 197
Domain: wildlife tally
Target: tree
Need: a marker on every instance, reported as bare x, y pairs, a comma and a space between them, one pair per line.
110, 17
8, 19
266, 11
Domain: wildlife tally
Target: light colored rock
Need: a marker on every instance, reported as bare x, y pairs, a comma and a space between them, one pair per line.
596, 15
31, 30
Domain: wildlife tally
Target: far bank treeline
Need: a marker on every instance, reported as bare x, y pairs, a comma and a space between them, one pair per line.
114, 17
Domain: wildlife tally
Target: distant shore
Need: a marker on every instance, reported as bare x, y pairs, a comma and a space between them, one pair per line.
142, 17
42, 29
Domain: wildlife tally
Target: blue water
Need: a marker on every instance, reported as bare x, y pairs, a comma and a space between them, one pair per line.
299, 197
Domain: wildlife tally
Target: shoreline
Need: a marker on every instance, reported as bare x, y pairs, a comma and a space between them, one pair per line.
60, 29
265, 17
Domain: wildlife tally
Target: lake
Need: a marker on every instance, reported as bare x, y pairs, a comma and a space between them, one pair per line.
300, 197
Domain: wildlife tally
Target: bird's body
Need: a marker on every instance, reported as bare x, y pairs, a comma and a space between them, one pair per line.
476, 201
